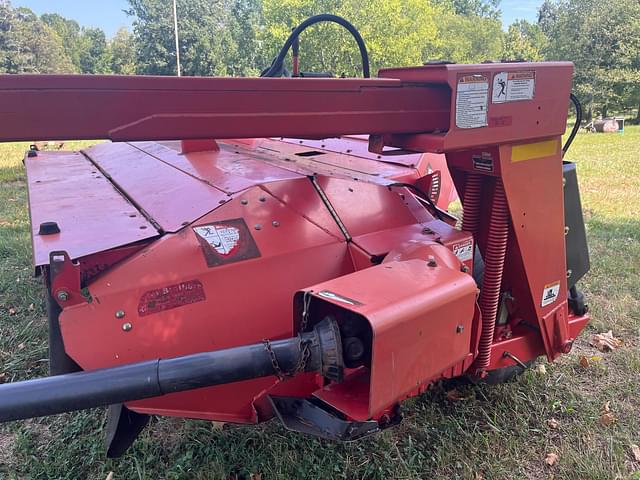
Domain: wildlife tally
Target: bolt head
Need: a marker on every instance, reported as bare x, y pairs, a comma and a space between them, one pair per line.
120, 314
263, 199
275, 223
63, 296
460, 329
258, 226
244, 201
126, 327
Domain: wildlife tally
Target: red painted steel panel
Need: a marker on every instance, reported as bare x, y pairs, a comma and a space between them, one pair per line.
246, 301
415, 312
365, 208
231, 169
170, 197
167, 108
66, 188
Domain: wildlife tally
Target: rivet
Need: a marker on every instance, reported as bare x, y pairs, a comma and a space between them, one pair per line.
244, 201
566, 230
127, 327
63, 296
432, 261
275, 223
258, 226
120, 314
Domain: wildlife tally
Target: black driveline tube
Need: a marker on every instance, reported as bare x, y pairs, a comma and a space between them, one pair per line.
137, 381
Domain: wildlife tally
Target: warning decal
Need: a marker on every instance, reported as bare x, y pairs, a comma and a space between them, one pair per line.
550, 293
464, 250
226, 242
472, 97
513, 86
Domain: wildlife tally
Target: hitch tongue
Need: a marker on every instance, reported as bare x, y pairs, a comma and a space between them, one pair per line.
319, 350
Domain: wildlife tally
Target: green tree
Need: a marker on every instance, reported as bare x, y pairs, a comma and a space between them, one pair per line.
93, 52
28, 44
474, 8
69, 32
122, 53
525, 41
211, 36
603, 40
397, 33
470, 39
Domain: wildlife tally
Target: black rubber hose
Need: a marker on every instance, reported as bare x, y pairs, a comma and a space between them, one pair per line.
576, 125
277, 64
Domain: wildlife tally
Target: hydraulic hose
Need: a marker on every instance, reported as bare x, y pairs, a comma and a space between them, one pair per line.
277, 65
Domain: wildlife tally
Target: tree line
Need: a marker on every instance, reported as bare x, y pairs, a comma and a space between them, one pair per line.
240, 37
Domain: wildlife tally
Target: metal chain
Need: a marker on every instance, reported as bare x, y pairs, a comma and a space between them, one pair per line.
306, 302
305, 353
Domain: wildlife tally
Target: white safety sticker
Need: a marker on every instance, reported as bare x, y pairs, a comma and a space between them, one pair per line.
464, 250
550, 293
472, 97
223, 238
513, 86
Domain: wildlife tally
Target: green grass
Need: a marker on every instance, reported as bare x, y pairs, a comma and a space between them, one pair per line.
500, 433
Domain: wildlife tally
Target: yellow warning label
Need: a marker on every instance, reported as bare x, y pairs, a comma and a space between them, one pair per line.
529, 151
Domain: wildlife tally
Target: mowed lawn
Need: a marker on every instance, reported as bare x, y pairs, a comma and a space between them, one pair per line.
500, 432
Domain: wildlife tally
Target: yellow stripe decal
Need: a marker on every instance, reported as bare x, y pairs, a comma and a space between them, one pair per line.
529, 151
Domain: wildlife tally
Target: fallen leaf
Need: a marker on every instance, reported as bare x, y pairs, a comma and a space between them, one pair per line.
255, 476
109, 476
541, 369
20, 346
3, 377
12, 311
635, 451
584, 362
607, 417
605, 342
553, 423
32, 307
551, 459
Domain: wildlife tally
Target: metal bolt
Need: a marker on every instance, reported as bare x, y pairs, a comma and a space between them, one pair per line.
263, 199
258, 226
244, 201
63, 296
275, 223
432, 261
120, 314
564, 182
569, 272
127, 327
566, 230
464, 269
460, 329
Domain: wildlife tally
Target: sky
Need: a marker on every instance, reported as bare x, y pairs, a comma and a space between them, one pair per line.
109, 15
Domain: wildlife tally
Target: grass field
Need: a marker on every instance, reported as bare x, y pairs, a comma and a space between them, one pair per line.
500, 432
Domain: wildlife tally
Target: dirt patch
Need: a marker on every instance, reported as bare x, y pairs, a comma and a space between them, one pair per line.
7, 445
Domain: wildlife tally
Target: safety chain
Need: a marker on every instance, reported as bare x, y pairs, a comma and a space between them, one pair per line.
306, 302
305, 353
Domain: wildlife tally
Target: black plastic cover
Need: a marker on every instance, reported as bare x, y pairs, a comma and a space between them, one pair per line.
576, 237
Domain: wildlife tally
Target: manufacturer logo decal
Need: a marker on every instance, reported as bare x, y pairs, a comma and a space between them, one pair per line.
172, 296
